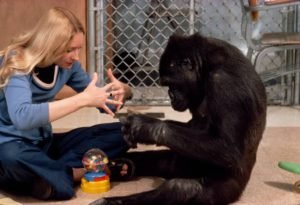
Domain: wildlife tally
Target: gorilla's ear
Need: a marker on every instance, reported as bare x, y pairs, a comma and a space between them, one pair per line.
198, 37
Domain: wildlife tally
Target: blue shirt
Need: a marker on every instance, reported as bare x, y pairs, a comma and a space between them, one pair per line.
24, 108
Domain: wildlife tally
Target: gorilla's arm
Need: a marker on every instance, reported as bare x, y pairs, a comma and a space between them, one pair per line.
199, 144
220, 142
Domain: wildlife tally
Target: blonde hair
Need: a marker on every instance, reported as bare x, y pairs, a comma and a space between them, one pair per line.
41, 46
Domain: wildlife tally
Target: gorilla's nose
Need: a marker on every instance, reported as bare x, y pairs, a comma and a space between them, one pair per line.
163, 81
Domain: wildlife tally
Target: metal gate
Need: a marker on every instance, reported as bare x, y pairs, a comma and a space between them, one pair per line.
129, 36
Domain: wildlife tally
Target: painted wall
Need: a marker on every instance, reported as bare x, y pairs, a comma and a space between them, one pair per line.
17, 16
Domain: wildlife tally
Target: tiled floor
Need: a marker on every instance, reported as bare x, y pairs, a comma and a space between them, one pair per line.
269, 185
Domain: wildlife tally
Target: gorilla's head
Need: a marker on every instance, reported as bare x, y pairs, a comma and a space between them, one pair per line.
180, 69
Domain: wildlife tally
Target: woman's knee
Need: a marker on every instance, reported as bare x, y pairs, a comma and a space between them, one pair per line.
10, 155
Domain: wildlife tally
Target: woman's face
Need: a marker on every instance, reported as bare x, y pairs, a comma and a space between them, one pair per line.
72, 53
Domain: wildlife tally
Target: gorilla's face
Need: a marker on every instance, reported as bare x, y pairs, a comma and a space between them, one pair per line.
179, 70
174, 78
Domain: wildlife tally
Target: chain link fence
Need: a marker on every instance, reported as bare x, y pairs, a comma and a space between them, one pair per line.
280, 68
129, 36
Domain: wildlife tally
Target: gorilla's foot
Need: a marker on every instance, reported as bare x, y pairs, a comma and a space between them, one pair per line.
101, 201
107, 201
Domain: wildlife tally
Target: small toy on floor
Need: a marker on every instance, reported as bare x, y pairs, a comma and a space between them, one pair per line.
294, 168
95, 179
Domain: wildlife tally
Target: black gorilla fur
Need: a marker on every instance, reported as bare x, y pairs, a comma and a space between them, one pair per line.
210, 158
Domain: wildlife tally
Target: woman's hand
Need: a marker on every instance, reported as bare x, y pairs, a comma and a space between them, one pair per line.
99, 96
92, 96
113, 93
123, 90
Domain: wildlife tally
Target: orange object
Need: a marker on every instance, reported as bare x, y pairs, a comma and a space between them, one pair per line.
254, 14
105, 177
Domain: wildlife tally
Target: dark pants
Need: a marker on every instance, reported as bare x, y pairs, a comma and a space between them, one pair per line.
22, 162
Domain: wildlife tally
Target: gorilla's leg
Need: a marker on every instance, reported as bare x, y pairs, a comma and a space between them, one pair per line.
164, 163
183, 192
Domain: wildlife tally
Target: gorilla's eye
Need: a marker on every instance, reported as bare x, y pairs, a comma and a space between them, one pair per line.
186, 63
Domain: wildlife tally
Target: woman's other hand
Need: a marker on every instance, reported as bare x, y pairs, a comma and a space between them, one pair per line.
100, 96
119, 87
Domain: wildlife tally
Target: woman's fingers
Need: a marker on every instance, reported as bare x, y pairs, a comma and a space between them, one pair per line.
120, 99
109, 89
110, 75
107, 110
94, 79
113, 102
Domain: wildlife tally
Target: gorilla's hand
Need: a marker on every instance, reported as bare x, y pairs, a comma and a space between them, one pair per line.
138, 128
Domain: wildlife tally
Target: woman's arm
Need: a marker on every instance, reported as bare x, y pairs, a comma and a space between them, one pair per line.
26, 114
92, 96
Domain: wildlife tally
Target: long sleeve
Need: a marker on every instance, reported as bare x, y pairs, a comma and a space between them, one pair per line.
24, 104
23, 113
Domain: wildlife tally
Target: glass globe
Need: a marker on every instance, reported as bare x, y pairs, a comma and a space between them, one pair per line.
95, 160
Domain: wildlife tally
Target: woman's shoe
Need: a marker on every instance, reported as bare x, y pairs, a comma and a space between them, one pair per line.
121, 169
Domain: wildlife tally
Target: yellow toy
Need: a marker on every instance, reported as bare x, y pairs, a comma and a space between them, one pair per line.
95, 179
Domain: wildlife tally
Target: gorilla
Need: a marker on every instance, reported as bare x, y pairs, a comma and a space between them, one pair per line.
209, 159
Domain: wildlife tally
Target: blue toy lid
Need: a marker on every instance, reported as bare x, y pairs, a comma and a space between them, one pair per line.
90, 176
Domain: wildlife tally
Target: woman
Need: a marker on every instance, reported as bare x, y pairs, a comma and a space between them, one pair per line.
33, 68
